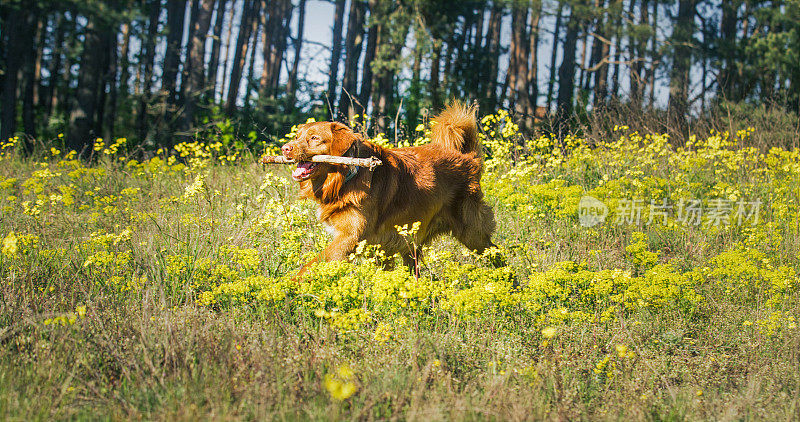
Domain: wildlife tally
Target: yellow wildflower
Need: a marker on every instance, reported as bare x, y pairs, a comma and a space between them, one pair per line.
340, 385
10, 245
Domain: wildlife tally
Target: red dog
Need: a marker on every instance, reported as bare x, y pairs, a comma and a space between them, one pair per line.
437, 184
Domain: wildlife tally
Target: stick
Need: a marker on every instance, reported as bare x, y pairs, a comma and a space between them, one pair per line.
370, 162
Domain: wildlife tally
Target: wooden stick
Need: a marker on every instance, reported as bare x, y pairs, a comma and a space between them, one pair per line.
370, 162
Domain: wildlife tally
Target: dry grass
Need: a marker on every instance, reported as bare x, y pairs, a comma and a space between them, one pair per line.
153, 352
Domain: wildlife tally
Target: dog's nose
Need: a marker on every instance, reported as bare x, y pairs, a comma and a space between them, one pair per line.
286, 149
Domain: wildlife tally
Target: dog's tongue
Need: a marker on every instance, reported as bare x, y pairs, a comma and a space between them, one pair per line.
302, 169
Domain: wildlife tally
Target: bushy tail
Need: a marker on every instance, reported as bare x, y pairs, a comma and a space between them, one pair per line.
456, 128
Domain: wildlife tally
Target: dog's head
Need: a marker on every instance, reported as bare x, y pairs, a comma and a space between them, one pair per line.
320, 138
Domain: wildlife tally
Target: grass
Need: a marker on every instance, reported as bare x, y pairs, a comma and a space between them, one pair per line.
158, 289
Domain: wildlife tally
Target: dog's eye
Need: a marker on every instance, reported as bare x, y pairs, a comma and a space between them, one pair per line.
315, 138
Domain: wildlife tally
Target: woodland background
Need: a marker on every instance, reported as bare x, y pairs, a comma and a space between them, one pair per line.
160, 72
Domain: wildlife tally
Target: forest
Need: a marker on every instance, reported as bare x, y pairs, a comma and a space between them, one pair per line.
159, 72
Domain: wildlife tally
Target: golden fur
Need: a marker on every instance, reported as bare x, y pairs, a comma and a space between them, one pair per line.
437, 184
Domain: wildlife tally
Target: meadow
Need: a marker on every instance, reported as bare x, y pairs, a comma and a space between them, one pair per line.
160, 288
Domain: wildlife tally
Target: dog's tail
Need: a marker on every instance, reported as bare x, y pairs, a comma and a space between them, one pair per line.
456, 128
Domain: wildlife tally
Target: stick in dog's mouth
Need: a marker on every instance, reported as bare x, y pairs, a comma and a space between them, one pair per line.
370, 162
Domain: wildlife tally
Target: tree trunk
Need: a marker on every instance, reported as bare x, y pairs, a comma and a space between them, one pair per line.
633, 57
226, 61
679, 76
147, 58
281, 34
111, 80
195, 82
582, 64
615, 69
600, 51
518, 60
493, 55
81, 119
124, 64
240, 53
41, 37
55, 66
291, 87
213, 61
556, 35
108, 42
276, 31
532, 83
372, 44
353, 46
194, 12
336, 52
176, 12
15, 32
29, 75
566, 73
250, 75
414, 91
654, 59
433, 82
728, 50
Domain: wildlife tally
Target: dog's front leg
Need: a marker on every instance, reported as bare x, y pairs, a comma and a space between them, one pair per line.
338, 250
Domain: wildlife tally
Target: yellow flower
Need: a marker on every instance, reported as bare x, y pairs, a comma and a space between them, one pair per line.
340, 386
10, 245
549, 332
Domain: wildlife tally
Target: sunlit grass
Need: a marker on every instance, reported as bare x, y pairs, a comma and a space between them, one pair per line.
160, 288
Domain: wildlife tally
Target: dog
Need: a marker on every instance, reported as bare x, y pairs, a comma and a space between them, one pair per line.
437, 184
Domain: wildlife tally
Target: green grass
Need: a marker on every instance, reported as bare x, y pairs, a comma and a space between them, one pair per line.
189, 312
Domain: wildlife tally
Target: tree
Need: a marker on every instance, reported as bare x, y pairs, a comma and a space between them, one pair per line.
213, 61
146, 58
492, 48
291, 87
250, 11
518, 61
336, 51
353, 46
176, 11
566, 72
681, 41
195, 83
81, 120
556, 39
372, 45
600, 53
17, 42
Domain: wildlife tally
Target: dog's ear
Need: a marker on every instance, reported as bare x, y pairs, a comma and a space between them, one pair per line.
343, 137
336, 126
